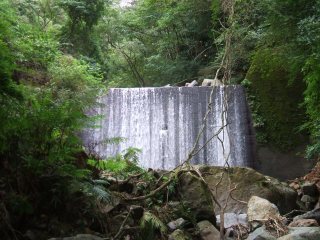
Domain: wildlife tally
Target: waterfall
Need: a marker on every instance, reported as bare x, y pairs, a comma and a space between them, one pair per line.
164, 124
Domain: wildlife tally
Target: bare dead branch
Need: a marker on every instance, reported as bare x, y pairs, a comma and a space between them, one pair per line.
121, 229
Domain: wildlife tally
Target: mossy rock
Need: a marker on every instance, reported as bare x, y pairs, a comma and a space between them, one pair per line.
278, 91
249, 183
196, 197
179, 235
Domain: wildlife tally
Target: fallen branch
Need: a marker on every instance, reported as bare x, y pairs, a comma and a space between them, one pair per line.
122, 227
152, 193
276, 224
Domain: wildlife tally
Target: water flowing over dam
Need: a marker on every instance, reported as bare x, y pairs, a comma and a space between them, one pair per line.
164, 123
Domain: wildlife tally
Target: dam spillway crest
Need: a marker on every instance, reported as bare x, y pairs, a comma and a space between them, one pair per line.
164, 123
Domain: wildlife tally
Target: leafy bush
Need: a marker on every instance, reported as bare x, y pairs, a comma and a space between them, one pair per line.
51, 116
312, 103
150, 224
39, 140
121, 164
7, 61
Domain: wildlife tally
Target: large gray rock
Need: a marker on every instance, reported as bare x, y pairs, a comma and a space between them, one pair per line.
192, 84
314, 214
208, 231
196, 196
231, 219
261, 234
309, 199
304, 223
173, 225
249, 183
309, 202
302, 233
310, 189
260, 209
211, 82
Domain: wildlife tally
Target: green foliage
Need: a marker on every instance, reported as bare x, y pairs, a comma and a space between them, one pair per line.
94, 190
309, 35
78, 33
155, 43
150, 223
38, 133
255, 107
121, 165
171, 188
26, 51
288, 35
115, 166
284, 18
71, 76
45, 93
312, 102
39, 130
277, 100
7, 64
44, 14
83, 11
50, 116
35, 49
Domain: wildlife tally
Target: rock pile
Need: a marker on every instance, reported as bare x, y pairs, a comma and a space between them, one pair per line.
271, 211
254, 207
308, 189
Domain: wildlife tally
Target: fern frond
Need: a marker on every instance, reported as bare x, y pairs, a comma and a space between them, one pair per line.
101, 194
151, 220
132, 154
95, 190
92, 162
81, 173
101, 182
71, 170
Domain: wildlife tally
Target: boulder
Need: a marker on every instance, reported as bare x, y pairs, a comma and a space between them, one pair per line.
192, 84
115, 201
179, 235
310, 189
196, 197
314, 214
293, 214
208, 231
231, 219
136, 212
211, 82
302, 233
261, 234
173, 225
249, 182
308, 199
309, 202
261, 209
304, 223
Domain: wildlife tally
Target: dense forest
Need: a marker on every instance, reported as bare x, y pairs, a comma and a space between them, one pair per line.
56, 57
